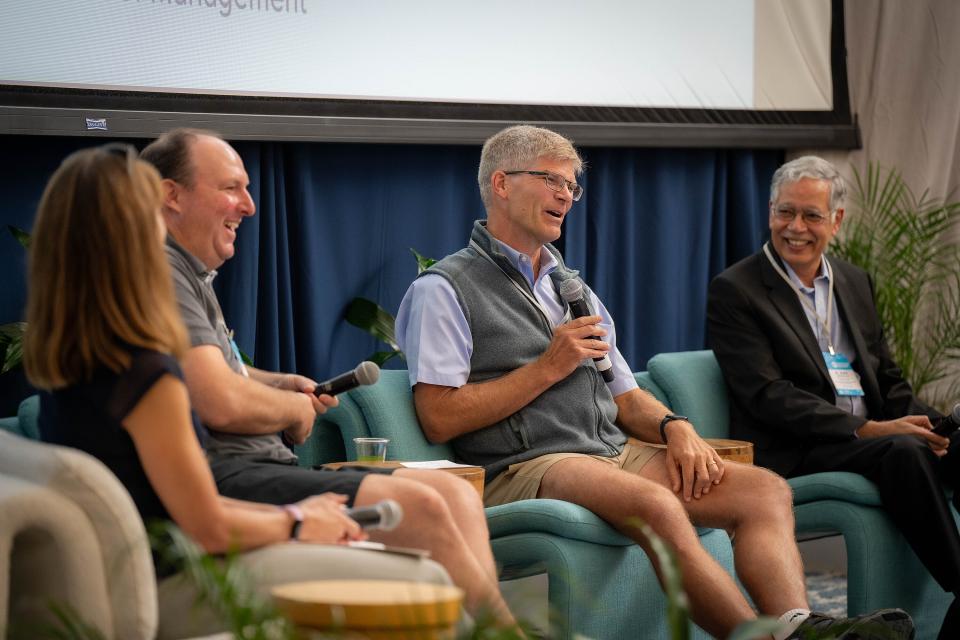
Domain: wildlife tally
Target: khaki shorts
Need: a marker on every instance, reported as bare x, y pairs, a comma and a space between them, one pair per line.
521, 481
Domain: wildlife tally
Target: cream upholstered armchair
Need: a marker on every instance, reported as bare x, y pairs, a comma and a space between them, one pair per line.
70, 535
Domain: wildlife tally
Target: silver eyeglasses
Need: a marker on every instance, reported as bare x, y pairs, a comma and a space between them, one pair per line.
555, 181
786, 213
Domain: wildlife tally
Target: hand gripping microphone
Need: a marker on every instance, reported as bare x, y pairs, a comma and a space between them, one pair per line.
948, 424
572, 292
384, 515
366, 373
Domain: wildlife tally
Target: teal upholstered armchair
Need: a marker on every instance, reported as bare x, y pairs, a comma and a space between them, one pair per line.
601, 585
882, 570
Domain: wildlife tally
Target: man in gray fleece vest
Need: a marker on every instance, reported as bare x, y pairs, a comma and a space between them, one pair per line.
501, 371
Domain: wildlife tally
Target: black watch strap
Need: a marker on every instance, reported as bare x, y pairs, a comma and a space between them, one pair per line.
670, 417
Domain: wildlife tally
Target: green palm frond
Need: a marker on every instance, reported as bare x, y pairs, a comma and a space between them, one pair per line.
907, 244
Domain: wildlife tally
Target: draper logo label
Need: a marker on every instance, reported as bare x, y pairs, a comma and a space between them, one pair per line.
96, 124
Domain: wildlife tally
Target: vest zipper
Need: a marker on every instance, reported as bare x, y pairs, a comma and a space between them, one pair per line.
594, 377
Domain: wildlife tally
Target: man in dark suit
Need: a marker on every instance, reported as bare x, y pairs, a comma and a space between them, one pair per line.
811, 380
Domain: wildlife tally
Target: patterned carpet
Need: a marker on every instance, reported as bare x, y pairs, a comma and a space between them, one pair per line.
827, 593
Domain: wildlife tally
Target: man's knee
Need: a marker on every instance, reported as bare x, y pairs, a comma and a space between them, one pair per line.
426, 502
905, 449
660, 504
768, 492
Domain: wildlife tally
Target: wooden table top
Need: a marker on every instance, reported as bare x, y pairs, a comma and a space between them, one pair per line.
474, 475
369, 604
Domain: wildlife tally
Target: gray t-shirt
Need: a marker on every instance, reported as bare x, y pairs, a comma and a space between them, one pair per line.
201, 314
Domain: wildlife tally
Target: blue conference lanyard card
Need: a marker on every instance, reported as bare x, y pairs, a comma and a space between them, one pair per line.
845, 380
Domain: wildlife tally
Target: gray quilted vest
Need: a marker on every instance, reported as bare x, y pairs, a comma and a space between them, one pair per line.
576, 415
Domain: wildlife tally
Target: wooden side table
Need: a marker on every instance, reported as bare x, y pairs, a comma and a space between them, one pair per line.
374, 609
736, 450
474, 475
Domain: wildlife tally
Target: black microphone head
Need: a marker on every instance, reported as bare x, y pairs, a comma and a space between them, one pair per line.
391, 513
955, 414
367, 372
571, 290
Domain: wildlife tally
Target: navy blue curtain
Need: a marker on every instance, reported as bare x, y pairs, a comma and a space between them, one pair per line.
335, 221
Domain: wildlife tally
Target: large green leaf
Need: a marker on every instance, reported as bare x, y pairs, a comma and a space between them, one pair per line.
21, 236
11, 341
372, 318
423, 262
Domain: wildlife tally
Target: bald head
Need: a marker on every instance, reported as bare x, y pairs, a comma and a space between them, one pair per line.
205, 192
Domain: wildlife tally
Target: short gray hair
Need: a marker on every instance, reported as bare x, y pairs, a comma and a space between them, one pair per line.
518, 147
815, 168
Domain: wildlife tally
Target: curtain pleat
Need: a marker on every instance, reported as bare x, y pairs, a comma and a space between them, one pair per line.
336, 221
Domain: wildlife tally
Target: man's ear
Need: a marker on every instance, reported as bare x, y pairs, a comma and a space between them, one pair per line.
838, 218
498, 183
171, 194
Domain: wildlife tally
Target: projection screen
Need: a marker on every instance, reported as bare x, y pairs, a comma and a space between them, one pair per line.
621, 72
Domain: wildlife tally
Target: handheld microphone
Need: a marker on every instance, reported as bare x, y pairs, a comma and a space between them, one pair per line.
948, 424
572, 292
366, 373
384, 515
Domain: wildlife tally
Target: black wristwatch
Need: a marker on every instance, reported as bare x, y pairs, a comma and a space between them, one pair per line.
670, 417
297, 514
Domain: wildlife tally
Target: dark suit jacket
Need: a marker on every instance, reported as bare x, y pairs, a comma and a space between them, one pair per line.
781, 396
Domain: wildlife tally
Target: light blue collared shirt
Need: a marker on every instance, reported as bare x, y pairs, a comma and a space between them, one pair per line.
434, 335
818, 295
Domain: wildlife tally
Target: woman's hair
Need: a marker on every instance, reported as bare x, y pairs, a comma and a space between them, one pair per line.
99, 279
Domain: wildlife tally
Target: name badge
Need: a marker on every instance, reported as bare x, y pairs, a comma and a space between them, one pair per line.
845, 380
243, 368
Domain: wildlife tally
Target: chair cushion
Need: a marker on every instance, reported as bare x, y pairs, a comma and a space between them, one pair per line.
388, 411
89, 484
647, 383
324, 445
695, 388
27, 414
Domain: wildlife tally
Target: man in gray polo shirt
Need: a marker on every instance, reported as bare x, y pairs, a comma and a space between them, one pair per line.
249, 412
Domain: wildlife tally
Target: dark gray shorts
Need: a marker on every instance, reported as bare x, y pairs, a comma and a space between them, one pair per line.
281, 483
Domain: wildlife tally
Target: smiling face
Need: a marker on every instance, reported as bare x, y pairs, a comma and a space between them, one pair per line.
528, 213
799, 243
207, 214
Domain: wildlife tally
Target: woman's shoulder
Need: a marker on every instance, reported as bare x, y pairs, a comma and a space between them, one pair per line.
150, 362
146, 367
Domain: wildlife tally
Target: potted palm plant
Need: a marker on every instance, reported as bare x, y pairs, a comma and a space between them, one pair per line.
909, 246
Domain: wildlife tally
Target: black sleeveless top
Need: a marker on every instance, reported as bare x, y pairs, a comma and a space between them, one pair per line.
88, 416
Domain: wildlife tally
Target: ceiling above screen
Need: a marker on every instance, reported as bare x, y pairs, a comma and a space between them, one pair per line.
688, 73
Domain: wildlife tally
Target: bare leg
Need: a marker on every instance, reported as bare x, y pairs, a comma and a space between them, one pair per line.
616, 496
755, 505
467, 509
428, 523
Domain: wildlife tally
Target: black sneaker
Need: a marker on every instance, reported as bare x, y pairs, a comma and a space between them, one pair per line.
882, 624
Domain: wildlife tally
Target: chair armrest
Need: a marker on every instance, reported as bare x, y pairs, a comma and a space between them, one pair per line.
560, 518
49, 553
834, 485
11, 424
